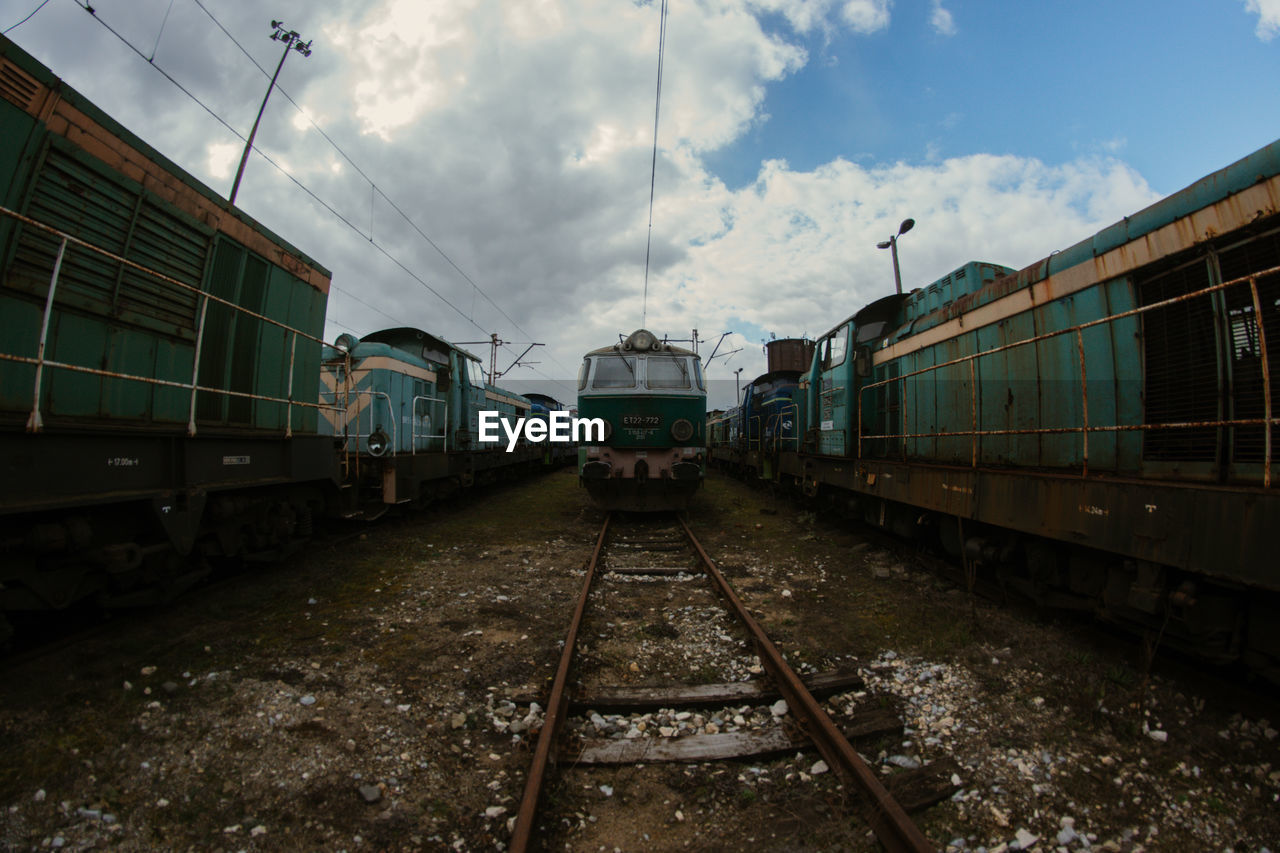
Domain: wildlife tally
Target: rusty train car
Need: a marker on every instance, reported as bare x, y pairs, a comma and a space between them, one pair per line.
1096, 430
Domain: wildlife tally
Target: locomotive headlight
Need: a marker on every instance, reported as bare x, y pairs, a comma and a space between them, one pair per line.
641, 340
682, 430
378, 442
608, 430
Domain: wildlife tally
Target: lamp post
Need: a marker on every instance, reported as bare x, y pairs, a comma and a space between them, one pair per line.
892, 245
737, 388
292, 41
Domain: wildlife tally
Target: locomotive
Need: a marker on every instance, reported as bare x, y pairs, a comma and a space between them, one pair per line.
543, 406
404, 407
652, 398
1095, 430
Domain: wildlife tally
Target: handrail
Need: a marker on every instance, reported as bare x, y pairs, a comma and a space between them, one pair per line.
1268, 421
35, 422
413, 425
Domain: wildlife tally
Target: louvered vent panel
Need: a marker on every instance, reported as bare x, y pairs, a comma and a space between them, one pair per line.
75, 198
16, 86
1181, 365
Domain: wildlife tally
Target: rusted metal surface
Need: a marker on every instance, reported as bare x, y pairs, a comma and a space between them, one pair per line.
1090, 262
1266, 381
1084, 412
557, 708
35, 422
26, 220
789, 354
150, 380
1268, 421
1171, 523
887, 819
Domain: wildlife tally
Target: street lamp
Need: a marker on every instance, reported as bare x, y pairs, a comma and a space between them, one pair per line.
892, 245
292, 41
737, 388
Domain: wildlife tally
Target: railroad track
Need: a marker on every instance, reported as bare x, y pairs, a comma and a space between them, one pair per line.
670, 550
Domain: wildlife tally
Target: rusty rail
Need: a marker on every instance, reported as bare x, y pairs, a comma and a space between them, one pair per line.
557, 708
887, 818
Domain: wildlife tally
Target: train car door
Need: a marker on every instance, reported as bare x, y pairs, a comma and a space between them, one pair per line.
472, 387
833, 393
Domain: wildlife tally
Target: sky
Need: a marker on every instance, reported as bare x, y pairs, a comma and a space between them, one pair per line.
474, 166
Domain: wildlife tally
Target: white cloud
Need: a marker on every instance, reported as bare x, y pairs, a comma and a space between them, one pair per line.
866, 16
800, 254
940, 19
223, 157
1268, 12
518, 136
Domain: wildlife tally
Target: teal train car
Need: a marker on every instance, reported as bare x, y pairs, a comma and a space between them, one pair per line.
1096, 430
405, 408
652, 399
158, 355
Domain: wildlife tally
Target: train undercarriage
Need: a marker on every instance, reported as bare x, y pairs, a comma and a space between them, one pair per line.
1158, 559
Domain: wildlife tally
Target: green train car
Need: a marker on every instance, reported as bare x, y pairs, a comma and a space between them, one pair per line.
653, 400
158, 360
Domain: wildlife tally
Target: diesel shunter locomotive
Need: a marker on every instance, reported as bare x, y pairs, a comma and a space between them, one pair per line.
1096, 430
652, 398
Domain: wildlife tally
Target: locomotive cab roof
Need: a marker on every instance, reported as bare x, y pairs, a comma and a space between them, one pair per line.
643, 342
410, 339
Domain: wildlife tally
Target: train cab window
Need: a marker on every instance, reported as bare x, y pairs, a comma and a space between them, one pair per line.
475, 374
871, 331
834, 347
582, 373
697, 372
615, 371
667, 372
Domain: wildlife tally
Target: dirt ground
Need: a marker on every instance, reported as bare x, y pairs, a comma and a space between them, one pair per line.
372, 694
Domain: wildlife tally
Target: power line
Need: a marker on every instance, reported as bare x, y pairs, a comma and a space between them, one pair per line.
280, 168
362, 174
27, 18
653, 174
150, 61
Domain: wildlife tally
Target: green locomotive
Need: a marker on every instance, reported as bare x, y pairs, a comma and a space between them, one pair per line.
653, 401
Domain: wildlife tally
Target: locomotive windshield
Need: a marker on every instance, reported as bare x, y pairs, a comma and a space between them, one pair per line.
615, 371
667, 372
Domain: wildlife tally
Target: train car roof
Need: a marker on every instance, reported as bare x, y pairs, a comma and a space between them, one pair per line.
407, 335
545, 399
643, 342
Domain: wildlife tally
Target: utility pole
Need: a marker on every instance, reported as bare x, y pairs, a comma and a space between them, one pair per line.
292, 41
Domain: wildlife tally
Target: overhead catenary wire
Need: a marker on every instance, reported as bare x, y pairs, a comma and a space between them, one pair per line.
653, 173
31, 15
373, 184
283, 171
337, 215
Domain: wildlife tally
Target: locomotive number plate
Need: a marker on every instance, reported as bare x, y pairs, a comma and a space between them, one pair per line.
642, 420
